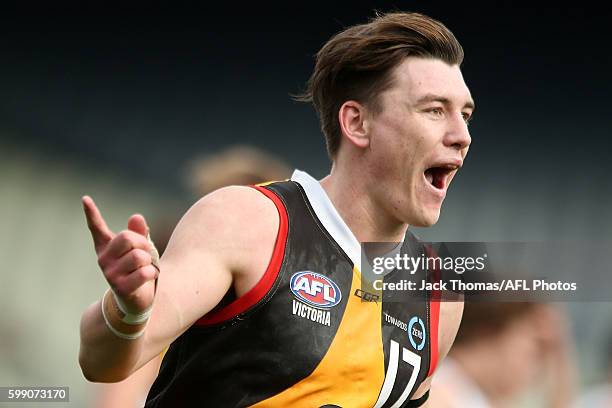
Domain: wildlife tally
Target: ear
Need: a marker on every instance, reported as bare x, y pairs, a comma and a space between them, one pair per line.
353, 123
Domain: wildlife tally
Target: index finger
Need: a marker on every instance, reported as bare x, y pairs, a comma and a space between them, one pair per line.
99, 230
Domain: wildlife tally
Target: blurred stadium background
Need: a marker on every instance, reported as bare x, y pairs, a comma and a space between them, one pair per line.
115, 104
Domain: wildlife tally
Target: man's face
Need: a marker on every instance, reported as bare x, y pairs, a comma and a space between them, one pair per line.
419, 139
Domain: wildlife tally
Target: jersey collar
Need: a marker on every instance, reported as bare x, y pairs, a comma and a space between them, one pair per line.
328, 215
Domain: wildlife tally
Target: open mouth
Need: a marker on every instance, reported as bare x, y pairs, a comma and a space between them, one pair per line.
438, 176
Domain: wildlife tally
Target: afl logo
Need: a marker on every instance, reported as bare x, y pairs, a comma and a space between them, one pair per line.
416, 333
315, 289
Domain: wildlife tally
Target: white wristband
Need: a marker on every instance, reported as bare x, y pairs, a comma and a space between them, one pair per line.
125, 336
132, 318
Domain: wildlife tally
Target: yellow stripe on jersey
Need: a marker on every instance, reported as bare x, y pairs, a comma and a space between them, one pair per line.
265, 183
352, 371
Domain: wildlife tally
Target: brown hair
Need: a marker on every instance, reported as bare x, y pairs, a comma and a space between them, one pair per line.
356, 63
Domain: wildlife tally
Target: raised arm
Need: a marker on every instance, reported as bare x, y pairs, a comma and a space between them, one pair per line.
223, 241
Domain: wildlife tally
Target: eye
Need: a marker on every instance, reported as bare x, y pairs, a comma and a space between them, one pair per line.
467, 117
438, 111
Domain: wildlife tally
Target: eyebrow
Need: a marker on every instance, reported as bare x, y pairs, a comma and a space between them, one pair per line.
442, 99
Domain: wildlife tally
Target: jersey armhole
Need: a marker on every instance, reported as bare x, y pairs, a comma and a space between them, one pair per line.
434, 318
263, 286
434, 310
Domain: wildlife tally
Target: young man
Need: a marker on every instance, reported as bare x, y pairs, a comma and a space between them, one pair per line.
258, 295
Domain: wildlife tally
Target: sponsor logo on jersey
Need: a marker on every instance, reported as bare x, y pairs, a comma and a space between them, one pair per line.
310, 313
416, 333
395, 322
366, 296
415, 329
315, 294
315, 289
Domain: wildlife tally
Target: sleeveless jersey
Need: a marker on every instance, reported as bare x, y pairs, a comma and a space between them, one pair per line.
306, 335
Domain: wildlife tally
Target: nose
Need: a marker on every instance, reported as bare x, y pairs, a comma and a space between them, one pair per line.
457, 135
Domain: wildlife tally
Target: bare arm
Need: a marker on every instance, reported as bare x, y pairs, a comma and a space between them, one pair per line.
210, 250
131, 392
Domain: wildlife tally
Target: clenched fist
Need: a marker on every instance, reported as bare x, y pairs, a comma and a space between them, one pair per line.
128, 259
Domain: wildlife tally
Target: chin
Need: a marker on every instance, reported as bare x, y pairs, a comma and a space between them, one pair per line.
427, 218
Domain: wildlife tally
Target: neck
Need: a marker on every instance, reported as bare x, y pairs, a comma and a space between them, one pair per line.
366, 219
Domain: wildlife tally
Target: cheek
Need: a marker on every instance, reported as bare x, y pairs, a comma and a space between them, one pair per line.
397, 153
388, 158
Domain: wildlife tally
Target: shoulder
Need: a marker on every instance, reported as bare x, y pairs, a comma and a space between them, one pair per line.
237, 226
232, 204
227, 218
